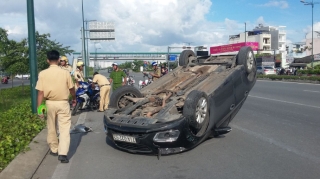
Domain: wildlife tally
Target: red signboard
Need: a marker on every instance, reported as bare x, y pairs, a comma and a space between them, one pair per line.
233, 47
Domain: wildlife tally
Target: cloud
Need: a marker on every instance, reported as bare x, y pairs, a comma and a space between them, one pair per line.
280, 4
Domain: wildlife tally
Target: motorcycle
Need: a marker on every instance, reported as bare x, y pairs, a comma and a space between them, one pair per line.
86, 97
5, 80
130, 80
145, 82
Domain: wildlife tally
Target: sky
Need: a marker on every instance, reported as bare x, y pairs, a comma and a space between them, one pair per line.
153, 25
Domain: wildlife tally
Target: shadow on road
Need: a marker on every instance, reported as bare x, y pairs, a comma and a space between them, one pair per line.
75, 140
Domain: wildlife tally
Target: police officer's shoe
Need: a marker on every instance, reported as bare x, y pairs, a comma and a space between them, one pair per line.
99, 111
63, 159
53, 154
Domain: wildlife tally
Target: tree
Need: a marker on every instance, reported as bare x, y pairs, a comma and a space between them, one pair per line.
14, 56
137, 65
43, 45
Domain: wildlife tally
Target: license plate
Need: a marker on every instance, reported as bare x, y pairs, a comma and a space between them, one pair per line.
124, 138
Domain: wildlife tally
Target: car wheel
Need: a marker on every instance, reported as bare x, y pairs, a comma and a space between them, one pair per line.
117, 99
75, 109
184, 57
246, 58
196, 112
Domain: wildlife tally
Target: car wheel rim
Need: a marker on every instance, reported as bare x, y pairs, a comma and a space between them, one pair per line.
250, 60
201, 110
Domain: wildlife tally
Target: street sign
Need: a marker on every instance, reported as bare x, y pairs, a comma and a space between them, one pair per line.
172, 57
101, 31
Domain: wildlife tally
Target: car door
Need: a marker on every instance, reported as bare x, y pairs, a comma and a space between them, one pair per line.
224, 99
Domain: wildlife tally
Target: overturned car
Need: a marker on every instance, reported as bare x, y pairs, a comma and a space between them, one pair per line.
180, 110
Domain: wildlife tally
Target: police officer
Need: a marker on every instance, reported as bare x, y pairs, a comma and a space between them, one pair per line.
78, 74
157, 72
104, 86
64, 64
116, 77
55, 85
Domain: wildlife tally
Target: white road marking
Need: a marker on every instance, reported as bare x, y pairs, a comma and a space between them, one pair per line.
290, 82
62, 170
282, 145
312, 91
318, 107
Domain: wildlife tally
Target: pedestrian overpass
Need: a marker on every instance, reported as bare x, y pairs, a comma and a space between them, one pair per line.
105, 59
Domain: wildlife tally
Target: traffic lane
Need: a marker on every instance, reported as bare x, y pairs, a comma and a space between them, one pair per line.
300, 93
16, 82
243, 153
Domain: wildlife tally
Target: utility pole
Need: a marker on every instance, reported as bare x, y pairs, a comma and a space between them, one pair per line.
32, 54
245, 32
312, 5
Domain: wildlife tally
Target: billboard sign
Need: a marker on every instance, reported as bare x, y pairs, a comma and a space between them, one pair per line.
233, 47
101, 31
317, 57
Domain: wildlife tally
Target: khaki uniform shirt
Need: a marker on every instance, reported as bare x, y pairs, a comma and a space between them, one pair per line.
156, 72
80, 73
117, 76
101, 80
67, 67
55, 83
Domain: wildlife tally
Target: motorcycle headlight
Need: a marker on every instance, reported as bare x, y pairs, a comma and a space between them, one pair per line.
166, 136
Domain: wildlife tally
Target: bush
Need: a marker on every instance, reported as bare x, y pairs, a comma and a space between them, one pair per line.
18, 126
310, 71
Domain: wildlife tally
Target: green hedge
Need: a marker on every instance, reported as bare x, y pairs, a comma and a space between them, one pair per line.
18, 126
289, 77
310, 71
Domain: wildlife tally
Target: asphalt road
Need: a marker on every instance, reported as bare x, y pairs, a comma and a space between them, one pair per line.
274, 135
15, 82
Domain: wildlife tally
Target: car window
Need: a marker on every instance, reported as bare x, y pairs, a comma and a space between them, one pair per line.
268, 67
259, 68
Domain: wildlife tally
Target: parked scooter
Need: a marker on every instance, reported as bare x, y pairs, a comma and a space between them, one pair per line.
145, 81
86, 97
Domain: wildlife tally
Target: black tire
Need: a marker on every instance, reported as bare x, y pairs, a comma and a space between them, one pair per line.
184, 57
250, 67
117, 99
191, 111
246, 58
75, 109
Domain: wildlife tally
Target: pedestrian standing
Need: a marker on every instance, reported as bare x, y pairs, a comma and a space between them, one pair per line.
64, 64
104, 86
116, 77
156, 71
78, 74
55, 85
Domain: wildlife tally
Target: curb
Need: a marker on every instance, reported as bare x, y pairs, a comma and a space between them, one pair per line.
26, 164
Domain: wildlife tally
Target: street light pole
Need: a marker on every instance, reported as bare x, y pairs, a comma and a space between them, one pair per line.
84, 55
86, 30
312, 5
32, 54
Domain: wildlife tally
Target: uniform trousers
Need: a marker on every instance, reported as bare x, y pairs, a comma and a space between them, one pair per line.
104, 97
58, 110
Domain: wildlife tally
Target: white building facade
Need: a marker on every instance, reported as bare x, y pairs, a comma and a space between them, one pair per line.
316, 43
271, 40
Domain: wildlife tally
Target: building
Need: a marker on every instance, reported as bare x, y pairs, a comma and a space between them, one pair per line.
271, 40
316, 42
